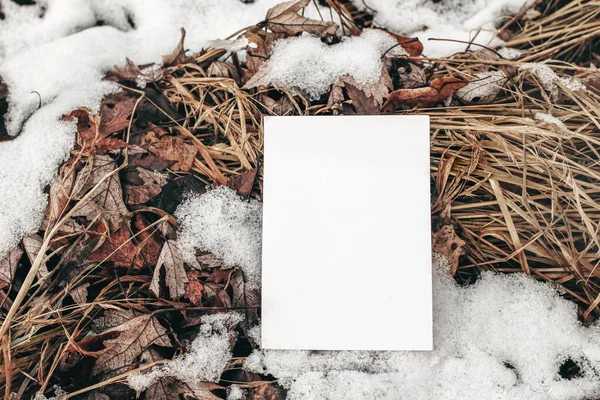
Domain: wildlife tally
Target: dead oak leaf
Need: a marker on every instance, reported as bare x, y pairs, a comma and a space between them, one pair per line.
32, 245
285, 18
118, 249
366, 98
150, 243
129, 341
194, 288
9, 264
151, 185
115, 112
447, 243
243, 182
438, 90
107, 198
412, 46
175, 277
174, 148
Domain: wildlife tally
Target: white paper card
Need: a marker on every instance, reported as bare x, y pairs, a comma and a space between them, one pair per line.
346, 259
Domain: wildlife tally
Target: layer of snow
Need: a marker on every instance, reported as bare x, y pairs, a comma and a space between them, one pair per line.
61, 50
550, 119
206, 359
221, 222
503, 337
465, 20
550, 80
234, 392
307, 64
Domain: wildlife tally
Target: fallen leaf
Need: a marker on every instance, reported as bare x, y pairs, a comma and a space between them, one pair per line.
412, 46
223, 70
60, 192
32, 245
438, 90
366, 98
177, 56
285, 18
446, 242
484, 88
131, 339
118, 249
115, 112
96, 395
243, 182
79, 293
174, 148
174, 191
149, 242
194, 288
128, 73
175, 278
107, 198
151, 184
411, 76
9, 264
265, 391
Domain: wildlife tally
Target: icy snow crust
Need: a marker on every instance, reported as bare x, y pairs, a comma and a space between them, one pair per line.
504, 337
55, 49
465, 20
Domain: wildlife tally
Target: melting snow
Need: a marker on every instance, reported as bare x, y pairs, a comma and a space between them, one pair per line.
464, 20
550, 119
504, 337
221, 222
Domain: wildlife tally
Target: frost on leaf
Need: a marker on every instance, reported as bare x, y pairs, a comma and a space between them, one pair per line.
171, 261
484, 88
285, 18
128, 341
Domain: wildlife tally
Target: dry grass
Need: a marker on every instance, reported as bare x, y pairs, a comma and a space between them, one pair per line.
523, 194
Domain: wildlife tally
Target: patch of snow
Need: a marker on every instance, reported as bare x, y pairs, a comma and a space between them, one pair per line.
550, 119
221, 222
307, 64
465, 20
509, 53
234, 392
57, 52
549, 78
206, 359
503, 337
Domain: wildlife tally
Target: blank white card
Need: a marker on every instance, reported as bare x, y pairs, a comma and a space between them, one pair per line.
346, 258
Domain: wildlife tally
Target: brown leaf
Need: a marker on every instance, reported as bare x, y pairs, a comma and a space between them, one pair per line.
243, 182
285, 18
366, 98
118, 249
9, 264
151, 185
107, 198
150, 243
177, 56
115, 111
445, 242
438, 90
60, 192
174, 148
32, 245
412, 46
265, 391
79, 293
132, 338
411, 76
127, 73
170, 258
194, 288
224, 70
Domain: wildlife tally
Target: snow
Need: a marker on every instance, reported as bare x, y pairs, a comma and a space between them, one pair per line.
234, 392
550, 119
503, 337
307, 64
56, 49
463, 20
221, 222
207, 356
509, 53
550, 80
